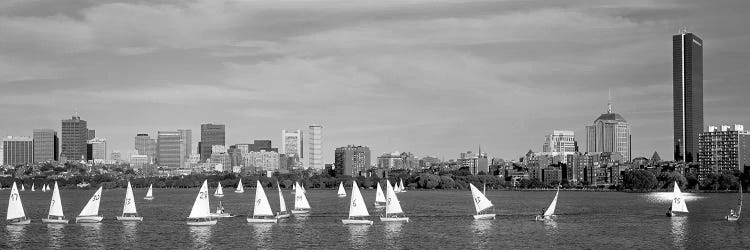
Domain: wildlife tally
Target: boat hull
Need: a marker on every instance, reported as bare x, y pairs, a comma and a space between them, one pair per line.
23, 221
356, 222
239, 192
674, 214
219, 195
210, 221
129, 218
300, 211
148, 198
262, 220
222, 215
89, 219
543, 218
394, 219
732, 218
342, 195
54, 221
484, 217
281, 216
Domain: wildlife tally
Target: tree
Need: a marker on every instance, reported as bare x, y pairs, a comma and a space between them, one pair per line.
639, 179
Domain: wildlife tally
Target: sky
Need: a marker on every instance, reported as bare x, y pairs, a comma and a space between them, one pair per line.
431, 77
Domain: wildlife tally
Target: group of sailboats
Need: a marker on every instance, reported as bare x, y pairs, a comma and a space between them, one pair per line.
399, 187
358, 213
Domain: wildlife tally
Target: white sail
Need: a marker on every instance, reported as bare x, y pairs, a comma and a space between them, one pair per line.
55, 206
239, 187
201, 208
32, 187
22, 187
551, 209
44, 188
739, 207
282, 203
15, 207
678, 203
401, 187
219, 190
480, 201
92, 207
379, 197
150, 192
392, 205
300, 200
357, 206
262, 207
129, 203
342, 192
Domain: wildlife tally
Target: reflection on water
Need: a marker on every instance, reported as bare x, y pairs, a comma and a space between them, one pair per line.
15, 233
128, 231
358, 235
263, 234
679, 231
392, 233
550, 227
481, 227
92, 233
201, 236
55, 233
666, 197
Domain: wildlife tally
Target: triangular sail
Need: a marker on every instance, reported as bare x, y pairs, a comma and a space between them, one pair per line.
282, 203
239, 187
129, 203
342, 192
219, 190
150, 192
379, 197
678, 203
401, 186
551, 208
739, 206
392, 205
262, 207
32, 187
201, 208
92, 207
480, 201
357, 206
55, 205
300, 200
15, 207
22, 187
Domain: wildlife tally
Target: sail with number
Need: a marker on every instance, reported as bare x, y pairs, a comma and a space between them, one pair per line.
15, 207
55, 206
480, 201
129, 204
357, 206
393, 206
262, 207
379, 197
92, 207
300, 200
201, 208
678, 202
551, 209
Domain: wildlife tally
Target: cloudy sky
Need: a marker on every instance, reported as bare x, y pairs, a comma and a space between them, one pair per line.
431, 77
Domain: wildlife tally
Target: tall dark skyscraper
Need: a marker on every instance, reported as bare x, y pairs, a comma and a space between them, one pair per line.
687, 90
74, 136
211, 134
45, 145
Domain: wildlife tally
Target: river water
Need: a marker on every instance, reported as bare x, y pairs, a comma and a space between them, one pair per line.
438, 219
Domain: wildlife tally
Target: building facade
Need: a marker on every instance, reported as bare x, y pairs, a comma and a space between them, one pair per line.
687, 92
145, 145
186, 135
351, 160
18, 150
45, 145
725, 148
98, 150
261, 160
170, 151
291, 143
211, 135
397, 160
609, 133
74, 137
316, 147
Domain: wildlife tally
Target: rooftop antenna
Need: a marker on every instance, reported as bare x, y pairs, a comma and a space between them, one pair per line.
609, 102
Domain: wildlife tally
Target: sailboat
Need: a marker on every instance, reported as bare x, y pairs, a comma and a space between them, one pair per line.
678, 203
219, 191
90, 212
32, 188
301, 206
549, 214
262, 212
220, 213
150, 193
16, 215
129, 213
482, 204
401, 188
379, 197
240, 189
342, 192
735, 216
357, 208
393, 210
45, 188
283, 213
200, 215
55, 214
22, 187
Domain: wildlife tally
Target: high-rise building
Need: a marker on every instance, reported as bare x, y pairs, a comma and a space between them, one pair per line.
259, 145
476, 163
609, 133
91, 134
560, 141
687, 92
18, 150
74, 137
291, 143
2, 160
169, 149
98, 150
145, 145
115, 157
211, 135
352, 160
45, 145
187, 138
725, 149
316, 147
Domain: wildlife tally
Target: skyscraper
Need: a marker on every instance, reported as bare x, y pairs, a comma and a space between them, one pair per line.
74, 137
98, 150
170, 149
45, 145
316, 147
609, 133
291, 143
18, 150
560, 142
145, 145
211, 135
187, 137
91, 134
725, 148
687, 92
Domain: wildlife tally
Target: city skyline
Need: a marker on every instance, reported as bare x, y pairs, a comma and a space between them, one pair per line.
472, 78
